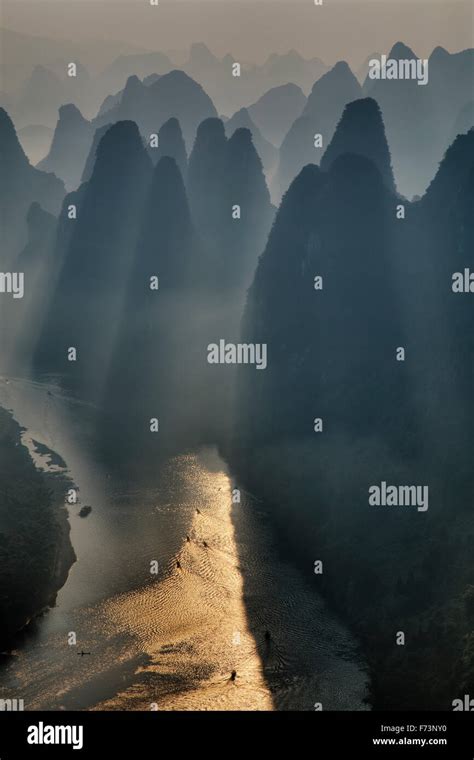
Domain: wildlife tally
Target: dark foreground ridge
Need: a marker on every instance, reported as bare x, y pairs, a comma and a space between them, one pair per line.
35, 550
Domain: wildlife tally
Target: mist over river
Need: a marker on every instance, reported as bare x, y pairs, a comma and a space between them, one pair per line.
170, 641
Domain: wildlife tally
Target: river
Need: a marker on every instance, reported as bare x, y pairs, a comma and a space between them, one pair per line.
170, 641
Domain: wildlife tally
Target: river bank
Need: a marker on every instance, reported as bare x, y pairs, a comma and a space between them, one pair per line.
35, 549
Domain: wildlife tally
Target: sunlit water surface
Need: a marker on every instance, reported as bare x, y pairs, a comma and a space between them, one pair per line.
171, 641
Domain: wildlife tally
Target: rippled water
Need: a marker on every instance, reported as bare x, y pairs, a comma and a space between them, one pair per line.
171, 641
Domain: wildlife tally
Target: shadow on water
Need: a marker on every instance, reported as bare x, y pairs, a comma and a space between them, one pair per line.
307, 655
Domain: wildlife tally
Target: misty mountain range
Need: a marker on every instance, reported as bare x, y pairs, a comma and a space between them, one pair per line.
140, 252
338, 410
421, 122
51, 57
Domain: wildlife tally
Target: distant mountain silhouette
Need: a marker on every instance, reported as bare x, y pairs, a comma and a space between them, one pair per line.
40, 98
276, 110
110, 102
35, 141
247, 188
151, 79
206, 182
464, 121
171, 144
323, 109
419, 119
91, 156
166, 245
215, 75
450, 81
21, 185
221, 176
173, 95
408, 117
229, 93
7, 101
292, 67
156, 347
70, 147
48, 88
134, 95
452, 176
363, 71
200, 57
267, 152
232, 214
361, 131
114, 100
24, 51
41, 230
141, 65
25, 316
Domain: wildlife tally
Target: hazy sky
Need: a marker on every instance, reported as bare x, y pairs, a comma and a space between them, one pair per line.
252, 30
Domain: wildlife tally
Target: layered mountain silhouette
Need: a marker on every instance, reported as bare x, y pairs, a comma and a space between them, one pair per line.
361, 131
94, 256
399, 259
153, 257
342, 336
158, 348
167, 242
323, 109
207, 197
35, 141
276, 110
267, 152
171, 144
172, 95
70, 147
26, 315
337, 410
292, 67
451, 86
419, 118
363, 71
91, 156
232, 214
22, 52
464, 121
247, 189
230, 203
41, 231
110, 102
50, 87
40, 98
230, 93
442, 241
114, 76
21, 184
